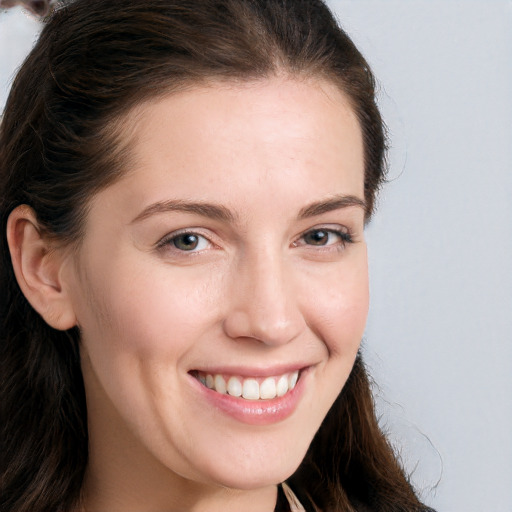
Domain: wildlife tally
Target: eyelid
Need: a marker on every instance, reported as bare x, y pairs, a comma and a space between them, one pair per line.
345, 234
165, 242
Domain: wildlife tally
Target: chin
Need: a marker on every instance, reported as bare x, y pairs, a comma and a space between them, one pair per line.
247, 474
255, 480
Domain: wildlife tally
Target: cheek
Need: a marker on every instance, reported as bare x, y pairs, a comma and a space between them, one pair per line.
344, 320
339, 308
136, 333
155, 315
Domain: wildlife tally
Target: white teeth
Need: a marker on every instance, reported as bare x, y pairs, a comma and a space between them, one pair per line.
268, 388
292, 379
234, 387
282, 385
220, 384
251, 389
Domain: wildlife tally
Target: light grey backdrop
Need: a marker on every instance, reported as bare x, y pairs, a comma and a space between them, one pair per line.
438, 340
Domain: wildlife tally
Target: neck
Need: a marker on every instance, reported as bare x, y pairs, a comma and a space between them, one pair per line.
99, 496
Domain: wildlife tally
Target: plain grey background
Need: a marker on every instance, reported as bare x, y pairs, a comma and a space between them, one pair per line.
438, 340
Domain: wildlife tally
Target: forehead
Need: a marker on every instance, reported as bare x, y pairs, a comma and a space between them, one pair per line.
226, 141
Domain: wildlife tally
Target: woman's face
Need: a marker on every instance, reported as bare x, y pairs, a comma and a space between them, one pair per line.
230, 259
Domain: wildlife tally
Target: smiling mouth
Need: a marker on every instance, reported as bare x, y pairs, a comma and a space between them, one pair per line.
249, 388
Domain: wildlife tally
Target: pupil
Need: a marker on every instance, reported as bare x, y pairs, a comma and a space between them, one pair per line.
186, 242
318, 237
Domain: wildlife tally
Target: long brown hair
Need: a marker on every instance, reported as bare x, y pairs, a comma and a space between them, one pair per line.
59, 145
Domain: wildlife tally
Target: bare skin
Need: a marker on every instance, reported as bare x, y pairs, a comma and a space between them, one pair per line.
234, 245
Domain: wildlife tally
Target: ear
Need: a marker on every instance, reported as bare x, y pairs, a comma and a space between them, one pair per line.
38, 267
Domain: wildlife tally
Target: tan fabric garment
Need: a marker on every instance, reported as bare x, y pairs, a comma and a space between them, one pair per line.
295, 505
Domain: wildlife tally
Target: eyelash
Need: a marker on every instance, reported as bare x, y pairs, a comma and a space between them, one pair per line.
344, 235
170, 239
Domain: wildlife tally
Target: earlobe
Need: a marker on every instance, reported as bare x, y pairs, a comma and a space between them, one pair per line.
38, 268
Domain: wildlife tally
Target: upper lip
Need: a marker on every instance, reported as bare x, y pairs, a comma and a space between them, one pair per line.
251, 371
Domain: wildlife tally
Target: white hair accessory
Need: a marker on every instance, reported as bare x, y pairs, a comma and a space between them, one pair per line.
40, 8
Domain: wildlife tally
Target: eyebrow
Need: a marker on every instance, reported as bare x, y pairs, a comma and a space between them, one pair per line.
334, 203
212, 211
221, 213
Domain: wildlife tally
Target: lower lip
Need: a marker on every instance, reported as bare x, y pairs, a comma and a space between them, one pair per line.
255, 412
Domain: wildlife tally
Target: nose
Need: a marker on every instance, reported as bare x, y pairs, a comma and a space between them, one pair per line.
262, 302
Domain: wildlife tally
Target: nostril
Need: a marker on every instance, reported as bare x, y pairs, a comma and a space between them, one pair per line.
264, 327
263, 305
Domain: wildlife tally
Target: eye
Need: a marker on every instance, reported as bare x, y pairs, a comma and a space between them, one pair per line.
186, 242
326, 237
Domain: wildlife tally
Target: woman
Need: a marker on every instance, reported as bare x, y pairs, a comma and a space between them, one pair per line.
185, 186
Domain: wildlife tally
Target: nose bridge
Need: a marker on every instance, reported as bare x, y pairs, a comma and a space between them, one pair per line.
264, 305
